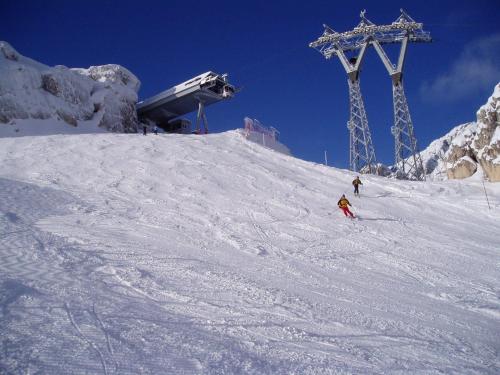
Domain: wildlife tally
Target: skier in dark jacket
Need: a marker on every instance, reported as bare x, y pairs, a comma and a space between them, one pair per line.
344, 204
356, 184
144, 130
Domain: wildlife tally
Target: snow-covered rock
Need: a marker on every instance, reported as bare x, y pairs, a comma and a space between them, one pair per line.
31, 90
464, 167
468, 148
460, 158
118, 101
434, 156
487, 140
478, 144
9, 52
111, 73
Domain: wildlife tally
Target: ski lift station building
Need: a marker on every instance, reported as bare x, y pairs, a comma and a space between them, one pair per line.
165, 108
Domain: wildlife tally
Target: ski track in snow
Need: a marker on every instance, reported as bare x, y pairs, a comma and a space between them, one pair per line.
124, 254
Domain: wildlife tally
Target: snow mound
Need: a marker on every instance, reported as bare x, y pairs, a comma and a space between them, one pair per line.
104, 95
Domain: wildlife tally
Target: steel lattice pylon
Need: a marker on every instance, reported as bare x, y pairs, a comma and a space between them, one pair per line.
406, 155
361, 151
366, 33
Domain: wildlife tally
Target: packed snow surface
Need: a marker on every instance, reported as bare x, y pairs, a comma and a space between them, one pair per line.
172, 254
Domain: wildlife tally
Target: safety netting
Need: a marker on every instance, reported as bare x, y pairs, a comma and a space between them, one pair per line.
256, 132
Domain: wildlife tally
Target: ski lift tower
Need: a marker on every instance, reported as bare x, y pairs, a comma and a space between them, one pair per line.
403, 30
331, 43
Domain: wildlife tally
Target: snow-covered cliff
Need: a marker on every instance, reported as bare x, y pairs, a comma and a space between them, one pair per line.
487, 140
468, 148
435, 155
105, 95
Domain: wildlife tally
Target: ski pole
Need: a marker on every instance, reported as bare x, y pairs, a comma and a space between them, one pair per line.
486, 195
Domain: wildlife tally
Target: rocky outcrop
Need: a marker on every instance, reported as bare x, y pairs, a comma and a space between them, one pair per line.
118, 111
490, 165
468, 148
435, 156
460, 158
111, 73
464, 167
105, 94
487, 140
8, 52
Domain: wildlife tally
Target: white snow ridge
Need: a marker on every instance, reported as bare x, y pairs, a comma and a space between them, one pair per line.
180, 254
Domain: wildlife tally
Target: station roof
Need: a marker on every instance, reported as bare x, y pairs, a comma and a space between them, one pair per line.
184, 98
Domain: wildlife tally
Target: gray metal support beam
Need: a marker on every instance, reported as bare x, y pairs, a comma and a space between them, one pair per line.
201, 118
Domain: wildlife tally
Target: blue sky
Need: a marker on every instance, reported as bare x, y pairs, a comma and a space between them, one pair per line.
263, 45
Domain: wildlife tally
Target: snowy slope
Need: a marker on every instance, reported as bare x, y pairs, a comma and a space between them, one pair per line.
171, 254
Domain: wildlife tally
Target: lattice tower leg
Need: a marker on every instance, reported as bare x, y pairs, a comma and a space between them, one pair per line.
361, 151
407, 157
